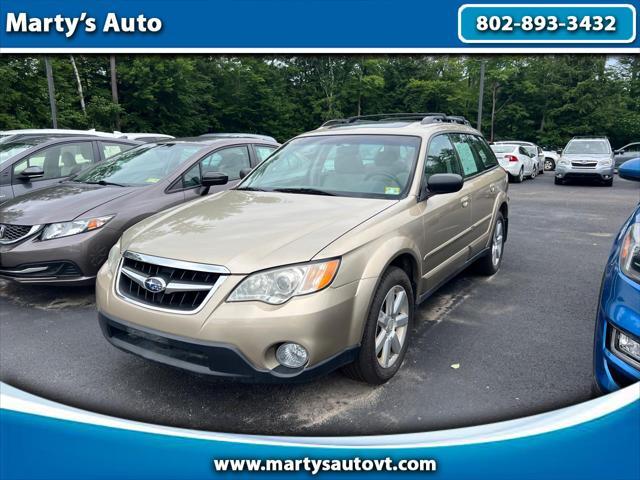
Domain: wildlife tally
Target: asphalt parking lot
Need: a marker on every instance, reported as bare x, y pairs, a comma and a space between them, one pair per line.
483, 350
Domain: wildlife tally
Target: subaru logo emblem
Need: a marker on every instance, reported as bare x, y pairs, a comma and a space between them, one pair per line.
155, 284
2, 229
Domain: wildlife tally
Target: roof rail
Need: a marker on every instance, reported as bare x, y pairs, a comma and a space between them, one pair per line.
424, 118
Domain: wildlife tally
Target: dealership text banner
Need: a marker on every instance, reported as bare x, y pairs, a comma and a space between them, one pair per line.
316, 26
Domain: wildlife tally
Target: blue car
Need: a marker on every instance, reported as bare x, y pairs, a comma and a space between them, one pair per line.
617, 335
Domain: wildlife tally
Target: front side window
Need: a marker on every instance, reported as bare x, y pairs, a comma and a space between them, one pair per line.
140, 166
59, 161
441, 157
465, 153
368, 166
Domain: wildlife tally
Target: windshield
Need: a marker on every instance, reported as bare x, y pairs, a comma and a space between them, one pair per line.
368, 166
140, 166
11, 149
595, 147
503, 148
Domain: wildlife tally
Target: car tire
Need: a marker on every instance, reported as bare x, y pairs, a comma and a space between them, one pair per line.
534, 173
558, 181
549, 164
608, 183
490, 264
520, 176
369, 366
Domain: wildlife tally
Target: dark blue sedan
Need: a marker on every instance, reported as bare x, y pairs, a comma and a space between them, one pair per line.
617, 335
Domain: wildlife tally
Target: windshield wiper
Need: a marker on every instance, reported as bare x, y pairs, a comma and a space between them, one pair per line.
252, 189
105, 182
304, 190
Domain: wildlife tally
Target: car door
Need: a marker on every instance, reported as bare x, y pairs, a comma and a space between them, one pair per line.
228, 160
58, 162
446, 218
486, 187
630, 151
529, 163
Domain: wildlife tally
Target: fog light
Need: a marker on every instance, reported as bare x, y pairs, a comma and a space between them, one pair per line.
292, 355
627, 345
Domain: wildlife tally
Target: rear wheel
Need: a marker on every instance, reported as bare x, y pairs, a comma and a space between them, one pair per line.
386, 333
549, 164
520, 177
490, 264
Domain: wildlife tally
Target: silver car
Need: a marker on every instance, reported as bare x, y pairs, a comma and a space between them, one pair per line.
589, 158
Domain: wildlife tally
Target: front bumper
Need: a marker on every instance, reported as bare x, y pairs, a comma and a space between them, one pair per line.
72, 260
328, 324
619, 308
216, 359
569, 172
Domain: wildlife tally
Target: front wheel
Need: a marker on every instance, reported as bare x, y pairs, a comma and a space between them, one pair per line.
534, 172
386, 333
490, 263
558, 181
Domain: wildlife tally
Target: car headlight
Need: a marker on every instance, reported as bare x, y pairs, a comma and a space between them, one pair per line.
605, 163
630, 252
281, 284
64, 229
562, 161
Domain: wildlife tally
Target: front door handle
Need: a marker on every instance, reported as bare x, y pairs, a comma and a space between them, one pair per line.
492, 189
465, 202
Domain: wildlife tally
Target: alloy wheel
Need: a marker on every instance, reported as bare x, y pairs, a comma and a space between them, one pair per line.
497, 244
391, 330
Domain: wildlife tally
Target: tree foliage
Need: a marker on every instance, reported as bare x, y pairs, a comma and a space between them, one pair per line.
546, 99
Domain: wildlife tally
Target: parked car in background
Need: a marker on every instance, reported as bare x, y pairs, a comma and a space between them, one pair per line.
317, 259
7, 135
517, 160
617, 334
239, 135
589, 158
145, 137
62, 234
551, 158
534, 151
31, 163
621, 155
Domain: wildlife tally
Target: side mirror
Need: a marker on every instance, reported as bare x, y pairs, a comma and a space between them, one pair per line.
211, 179
630, 170
245, 171
440, 183
31, 172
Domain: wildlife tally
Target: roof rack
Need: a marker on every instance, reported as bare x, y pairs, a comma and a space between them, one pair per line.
424, 118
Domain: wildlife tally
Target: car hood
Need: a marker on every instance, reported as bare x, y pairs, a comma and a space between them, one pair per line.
59, 203
249, 231
586, 156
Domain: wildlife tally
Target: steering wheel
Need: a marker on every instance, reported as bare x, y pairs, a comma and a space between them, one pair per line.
393, 178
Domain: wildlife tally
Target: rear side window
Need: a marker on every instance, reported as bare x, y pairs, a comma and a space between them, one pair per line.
441, 157
228, 161
483, 151
462, 145
110, 149
263, 151
59, 160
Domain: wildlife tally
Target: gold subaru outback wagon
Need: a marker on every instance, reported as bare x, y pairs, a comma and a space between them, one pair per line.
317, 259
